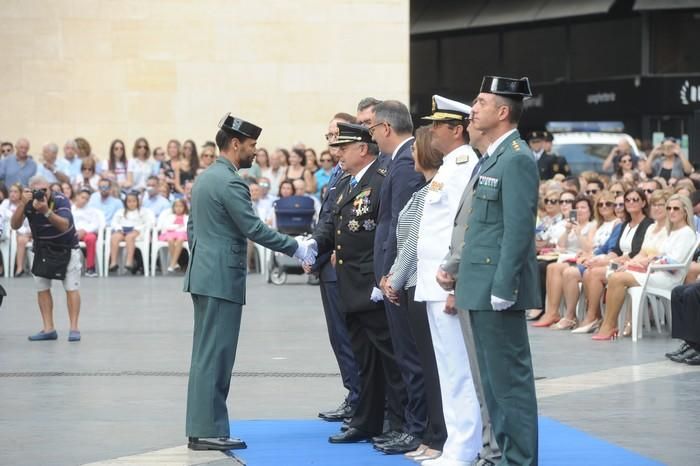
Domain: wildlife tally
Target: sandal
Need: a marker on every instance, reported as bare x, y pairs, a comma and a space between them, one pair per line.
564, 324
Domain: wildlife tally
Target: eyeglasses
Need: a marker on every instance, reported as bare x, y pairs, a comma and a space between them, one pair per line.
371, 129
617, 193
104, 188
7, 150
619, 206
633, 200
207, 155
606, 204
551, 201
592, 192
566, 201
674, 208
626, 161
649, 191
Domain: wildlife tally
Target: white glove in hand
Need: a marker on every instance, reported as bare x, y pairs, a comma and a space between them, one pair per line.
499, 304
307, 249
377, 295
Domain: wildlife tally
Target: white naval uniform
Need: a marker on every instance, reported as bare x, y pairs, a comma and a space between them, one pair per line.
459, 400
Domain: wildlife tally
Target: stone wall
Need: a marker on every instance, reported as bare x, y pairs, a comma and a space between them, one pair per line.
107, 69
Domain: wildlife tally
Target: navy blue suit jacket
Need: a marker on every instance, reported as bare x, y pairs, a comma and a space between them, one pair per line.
400, 183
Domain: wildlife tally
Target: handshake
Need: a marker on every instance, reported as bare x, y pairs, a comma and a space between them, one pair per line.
306, 252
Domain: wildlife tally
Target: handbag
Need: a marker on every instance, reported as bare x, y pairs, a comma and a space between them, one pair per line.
51, 260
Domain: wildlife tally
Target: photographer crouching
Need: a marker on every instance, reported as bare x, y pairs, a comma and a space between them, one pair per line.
57, 255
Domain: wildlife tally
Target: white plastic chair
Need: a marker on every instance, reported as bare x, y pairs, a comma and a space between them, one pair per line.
659, 298
157, 246
142, 244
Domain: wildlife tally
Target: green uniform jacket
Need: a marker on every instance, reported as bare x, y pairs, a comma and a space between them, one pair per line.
220, 221
499, 256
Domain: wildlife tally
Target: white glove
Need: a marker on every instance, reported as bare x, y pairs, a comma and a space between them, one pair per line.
377, 295
307, 249
499, 304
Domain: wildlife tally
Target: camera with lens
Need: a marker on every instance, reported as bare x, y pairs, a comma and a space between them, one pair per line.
39, 194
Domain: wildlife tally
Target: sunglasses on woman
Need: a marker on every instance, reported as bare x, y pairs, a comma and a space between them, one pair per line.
551, 201
606, 204
673, 208
566, 201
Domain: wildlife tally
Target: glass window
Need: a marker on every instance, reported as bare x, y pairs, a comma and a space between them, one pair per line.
674, 39
604, 49
539, 54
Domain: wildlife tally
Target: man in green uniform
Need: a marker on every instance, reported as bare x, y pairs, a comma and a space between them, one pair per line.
220, 222
498, 267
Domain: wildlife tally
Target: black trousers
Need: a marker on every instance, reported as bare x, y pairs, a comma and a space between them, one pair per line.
435, 431
685, 312
379, 375
340, 340
415, 412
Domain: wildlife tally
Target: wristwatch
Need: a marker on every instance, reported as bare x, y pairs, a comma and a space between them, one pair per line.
48, 213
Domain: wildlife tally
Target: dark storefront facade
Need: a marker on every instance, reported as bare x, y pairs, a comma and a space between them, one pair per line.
601, 60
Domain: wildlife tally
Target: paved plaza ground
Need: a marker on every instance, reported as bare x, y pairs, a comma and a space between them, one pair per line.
121, 391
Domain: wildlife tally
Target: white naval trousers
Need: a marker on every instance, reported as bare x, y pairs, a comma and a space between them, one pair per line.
460, 405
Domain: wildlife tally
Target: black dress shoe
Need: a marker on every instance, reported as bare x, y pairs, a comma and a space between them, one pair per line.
693, 360
220, 444
681, 357
405, 443
684, 346
342, 412
345, 425
352, 435
390, 436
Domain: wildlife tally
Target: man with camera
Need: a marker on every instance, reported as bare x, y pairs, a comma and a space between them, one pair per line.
56, 252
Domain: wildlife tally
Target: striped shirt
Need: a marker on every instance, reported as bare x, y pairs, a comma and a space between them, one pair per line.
43, 230
404, 272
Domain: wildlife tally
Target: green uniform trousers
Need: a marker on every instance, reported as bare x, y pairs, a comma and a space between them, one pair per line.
505, 365
217, 323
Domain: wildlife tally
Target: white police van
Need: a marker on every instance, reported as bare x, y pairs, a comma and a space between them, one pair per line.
586, 145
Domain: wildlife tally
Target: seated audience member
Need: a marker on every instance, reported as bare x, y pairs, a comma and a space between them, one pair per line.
594, 187
276, 171
296, 170
267, 198
551, 214
187, 166
116, 164
54, 170
140, 167
618, 188
152, 198
323, 174
187, 196
685, 306
263, 209
55, 187
164, 190
127, 225
300, 190
606, 221
627, 168
684, 187
695, 200
87, 179
628, 245
67, 190
173, 230
206, 158
86, 227
6, 148
311, 160
546, 240
23, 234
675, 248
576, 239
667, 162
105, 201
571, 183
613, 162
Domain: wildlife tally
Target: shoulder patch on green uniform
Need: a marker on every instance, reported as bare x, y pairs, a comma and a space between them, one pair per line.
515, 145
382, 171
462, 158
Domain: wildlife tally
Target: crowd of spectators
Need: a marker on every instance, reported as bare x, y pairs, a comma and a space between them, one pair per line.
157, 181
597, 234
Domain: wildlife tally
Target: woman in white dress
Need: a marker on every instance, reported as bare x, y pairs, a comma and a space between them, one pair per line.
675, 249
140, 167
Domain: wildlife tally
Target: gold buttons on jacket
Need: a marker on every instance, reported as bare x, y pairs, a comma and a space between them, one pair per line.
340, 261
488, 260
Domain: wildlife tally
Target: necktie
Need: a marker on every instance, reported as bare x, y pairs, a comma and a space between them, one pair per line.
353, 183
335, 175
477, 167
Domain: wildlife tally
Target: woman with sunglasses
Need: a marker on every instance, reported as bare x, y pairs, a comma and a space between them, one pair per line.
140, 167
87, 179
206, 158
628, 246
627, 168
666, 161
116, 164
606, 221
576, 239
675, 248
557, 207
